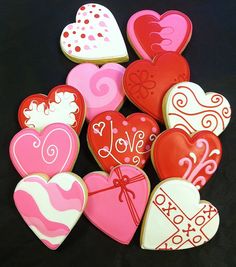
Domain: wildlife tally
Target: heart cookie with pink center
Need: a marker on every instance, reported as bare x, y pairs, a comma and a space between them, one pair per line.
94, 37
101, 88
116, 202
53, 150
51, 208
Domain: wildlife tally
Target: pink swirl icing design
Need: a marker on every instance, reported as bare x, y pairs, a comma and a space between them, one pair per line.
101, 87
206, 164
48, 208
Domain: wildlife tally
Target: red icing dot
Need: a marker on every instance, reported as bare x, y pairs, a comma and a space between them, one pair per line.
96, 16
69, 45
77, 49
74, 32
79, 20
86, 21
93, 5
99, 34
90, 11
82, 35
65, 34
82, 8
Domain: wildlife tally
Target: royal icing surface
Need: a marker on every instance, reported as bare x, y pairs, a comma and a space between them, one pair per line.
53, 150
51, 208
153, 34
188, 107
116, 202
95, 37
114, 139
145, 82
101, 88
176, 218
63, 104
196, 158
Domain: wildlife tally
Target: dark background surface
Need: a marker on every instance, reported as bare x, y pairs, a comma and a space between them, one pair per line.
31, 62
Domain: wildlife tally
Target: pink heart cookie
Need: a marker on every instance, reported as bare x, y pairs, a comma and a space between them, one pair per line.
51, 208
116, 202
101, 88
153, 34
53, 150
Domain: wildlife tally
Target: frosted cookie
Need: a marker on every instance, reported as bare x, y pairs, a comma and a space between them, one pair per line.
94, 37
188, 107
114, 139
53, 150
116, 202
63, 104
101, 88
176, 154
145, 82
153, 34
176, 218
51, 208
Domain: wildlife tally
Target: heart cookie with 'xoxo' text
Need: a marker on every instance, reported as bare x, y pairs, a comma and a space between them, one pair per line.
116, 202
114, 139
153, 34
176, 218
196, 158
52, 207
145, 82
63, 104
188, 107
53, 150
94, 37
101, 88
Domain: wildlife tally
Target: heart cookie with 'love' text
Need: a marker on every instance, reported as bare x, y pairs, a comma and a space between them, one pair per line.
114, 139
116, 202
176, 218
101, 88
51, 208
94, 37
145, 83
153, 34
63, 104
196, 158
51, 151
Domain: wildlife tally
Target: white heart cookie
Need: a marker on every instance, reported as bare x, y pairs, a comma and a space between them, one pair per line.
188, 107
176, 218
95, 37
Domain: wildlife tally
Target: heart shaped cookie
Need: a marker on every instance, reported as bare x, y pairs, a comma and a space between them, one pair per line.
51, 208
116, 202
153, 34
101, 88
196, 158
63, 104
176, 218
95, 37
53, 150
188, 107
114, 139
145, 83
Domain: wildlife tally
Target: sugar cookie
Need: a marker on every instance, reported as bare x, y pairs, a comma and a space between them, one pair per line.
51, 208
114, 139
63, 104
116, 202
95, 37
188, 107
153, 34
176, 218
101, 88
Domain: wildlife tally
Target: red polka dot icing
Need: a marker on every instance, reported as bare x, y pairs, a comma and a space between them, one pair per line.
95, 36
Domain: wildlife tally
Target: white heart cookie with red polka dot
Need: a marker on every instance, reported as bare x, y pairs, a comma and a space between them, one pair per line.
94, 37
176, 218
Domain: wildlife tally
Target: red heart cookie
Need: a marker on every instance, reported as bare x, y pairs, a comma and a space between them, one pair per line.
196, 158
145, 83
153, 34
63, 104
114, 139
